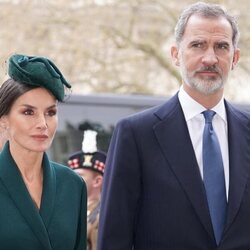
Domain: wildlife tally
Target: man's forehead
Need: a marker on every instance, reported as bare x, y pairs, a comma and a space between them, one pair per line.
202, 28
209, 24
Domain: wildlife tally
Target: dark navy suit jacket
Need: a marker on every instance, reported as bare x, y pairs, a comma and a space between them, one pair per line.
153, 195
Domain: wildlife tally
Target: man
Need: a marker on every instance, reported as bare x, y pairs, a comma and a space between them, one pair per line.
158, 193
90, 163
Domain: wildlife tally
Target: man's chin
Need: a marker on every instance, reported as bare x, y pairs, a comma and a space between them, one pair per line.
209, 90
207, 87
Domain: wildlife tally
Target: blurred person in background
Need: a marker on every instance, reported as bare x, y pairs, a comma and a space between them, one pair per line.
43, 204
89, 163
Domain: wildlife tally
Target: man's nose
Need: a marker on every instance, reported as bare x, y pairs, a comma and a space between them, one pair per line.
210, 57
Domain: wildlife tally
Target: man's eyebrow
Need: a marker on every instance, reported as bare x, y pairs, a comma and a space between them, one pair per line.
223, 42
197, 41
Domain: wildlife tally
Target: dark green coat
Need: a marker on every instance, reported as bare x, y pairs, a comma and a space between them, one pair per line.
60, 224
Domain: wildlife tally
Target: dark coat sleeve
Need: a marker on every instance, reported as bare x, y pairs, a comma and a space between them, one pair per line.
121, 191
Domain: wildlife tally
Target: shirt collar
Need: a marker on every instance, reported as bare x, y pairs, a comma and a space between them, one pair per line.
192, 108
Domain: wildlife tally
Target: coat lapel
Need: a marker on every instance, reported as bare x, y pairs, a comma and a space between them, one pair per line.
238, 138
173, 137
13, 182
49, 192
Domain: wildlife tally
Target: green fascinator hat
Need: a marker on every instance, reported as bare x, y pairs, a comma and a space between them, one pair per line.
38, 71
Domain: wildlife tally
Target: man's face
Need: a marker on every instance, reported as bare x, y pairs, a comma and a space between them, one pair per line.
206, 54
89, 177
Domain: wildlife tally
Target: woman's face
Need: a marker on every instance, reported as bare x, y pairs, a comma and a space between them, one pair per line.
32, 121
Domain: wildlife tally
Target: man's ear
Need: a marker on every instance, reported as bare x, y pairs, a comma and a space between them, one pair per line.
236, 58
98, 181
175, 55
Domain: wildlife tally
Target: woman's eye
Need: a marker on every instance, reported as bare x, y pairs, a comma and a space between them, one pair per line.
51, 112
28, 112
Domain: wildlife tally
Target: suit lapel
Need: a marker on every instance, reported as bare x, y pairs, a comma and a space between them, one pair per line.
238, 138
174, 140
13, 182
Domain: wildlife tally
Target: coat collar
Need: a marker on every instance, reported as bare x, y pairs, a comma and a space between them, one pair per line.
172, 134
13, 182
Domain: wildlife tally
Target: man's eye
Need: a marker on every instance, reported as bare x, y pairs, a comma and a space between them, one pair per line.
223, 46
197, 45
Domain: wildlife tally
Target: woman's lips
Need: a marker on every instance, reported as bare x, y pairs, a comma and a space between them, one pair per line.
40, 137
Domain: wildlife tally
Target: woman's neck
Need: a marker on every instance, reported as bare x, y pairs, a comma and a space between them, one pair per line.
29, 163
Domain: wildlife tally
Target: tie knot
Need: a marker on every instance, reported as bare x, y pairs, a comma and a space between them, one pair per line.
208, 114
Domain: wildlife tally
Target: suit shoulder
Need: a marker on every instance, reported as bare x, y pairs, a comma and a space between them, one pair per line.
239, 112
142, 114
153, 115
147, 115
138, 120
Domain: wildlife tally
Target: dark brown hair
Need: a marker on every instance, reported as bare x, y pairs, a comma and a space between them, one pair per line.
9, 92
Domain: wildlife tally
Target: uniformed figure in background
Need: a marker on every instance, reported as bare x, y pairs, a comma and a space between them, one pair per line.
90, 163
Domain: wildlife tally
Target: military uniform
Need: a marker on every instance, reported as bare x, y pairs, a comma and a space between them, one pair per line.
92, 223
90, 159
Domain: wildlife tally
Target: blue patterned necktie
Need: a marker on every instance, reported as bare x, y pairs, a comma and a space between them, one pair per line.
213, 176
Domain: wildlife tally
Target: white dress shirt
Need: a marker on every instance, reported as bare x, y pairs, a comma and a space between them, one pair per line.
196, 122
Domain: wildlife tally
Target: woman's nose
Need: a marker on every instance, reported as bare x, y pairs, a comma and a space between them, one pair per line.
42, 122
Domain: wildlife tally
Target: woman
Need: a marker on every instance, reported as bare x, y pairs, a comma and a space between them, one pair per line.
43, 204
